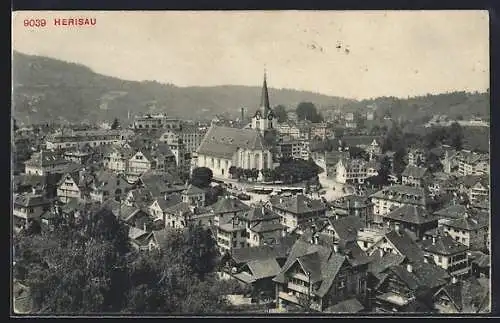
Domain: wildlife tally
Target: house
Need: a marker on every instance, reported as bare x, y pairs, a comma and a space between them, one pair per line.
451, 212
160, 205
353, 171
368, 236
226, 208
155, 121
413, 218
370, 144
29, 206
391, 197
75, 184
193, 195
160, 183
139, 197
415, 176
416, 157
165, 159
140, 238
45, 162
317, 276
81, 138
263, 226
408, 288
231, 235
45, 183
331, 160
79, 156
351, 305
342, 231
398, 242
135, 217
472, 231
477, 187
292, 148
139, 163
447, 254
354, 205
116, 159
297, 209
107, 184
179, 215
189, 135
480, 264
471, 163
462, 296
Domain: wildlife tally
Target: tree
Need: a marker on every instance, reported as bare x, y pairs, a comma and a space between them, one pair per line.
456, 136
399, 161
232, 171
201, 177
15, 124
307, 111
280, 113
254, 174
116, 124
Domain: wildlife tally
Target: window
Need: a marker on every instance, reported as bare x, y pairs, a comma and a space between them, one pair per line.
439, 259
30, 210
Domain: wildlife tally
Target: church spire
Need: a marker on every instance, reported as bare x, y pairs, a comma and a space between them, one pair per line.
264, 98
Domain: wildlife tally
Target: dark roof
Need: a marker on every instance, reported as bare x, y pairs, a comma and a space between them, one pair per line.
229, 205
423, 275
264, 268
22, 299
333, 157
266, 226
299, 204
224, 142
108, 181
471, 180
443, 245
161, 238
414, 171
380, 262
452, 212
353, 141
410, 214
405, 244
162, 150
243, 255
347, 227
465, 294
350, 201
180, 209
351, 305
30, 200
257, 213
403, 194
468, 223
168, 200
193, 190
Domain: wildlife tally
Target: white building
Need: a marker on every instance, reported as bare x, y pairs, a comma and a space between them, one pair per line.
81, 138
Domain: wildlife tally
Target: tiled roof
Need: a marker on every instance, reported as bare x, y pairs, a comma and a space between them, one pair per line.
351, 305
403, 242
452, 212
169, 200
402, 193
443, 245
30, 200
181, 208
410, 214
353, 141
135, 233
193, 190
108, 181
423, 275
299, 204
347, 227
247, 254
471, 180
266, 226
224, 142
229, 205
257, 213
380, 262
264, 268
465, 294
127, 212
350, 201
468, 223
414, 171
161, 238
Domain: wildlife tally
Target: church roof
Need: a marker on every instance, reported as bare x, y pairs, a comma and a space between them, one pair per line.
224, 142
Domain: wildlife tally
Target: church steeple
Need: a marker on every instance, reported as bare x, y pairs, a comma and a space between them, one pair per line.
264, 98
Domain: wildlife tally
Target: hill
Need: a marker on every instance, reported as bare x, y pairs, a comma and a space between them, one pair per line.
46, 88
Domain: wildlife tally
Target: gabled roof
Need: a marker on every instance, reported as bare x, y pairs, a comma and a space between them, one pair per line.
468, 223
403, 194
224, 142
229, 205
452, 212
299, 204
257, 213
443, 245
353, 141
380, 262
126, 212
351, 305
247, 254
414, 171
264, 268
465, 294
181, 208
410, 214
266, 226
404, 244
423, 275
30, 200
347, 227
471, 180
193, 190
168, 201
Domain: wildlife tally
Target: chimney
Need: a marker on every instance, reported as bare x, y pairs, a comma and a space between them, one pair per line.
454, 280
242, 114
426, 260
433, 240
409, 268
316, 239
335, 248
144, 227
397, 227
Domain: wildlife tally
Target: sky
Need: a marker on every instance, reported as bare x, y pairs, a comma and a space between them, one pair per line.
353, 54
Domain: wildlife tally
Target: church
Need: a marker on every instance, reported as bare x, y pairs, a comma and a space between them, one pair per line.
223, 147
